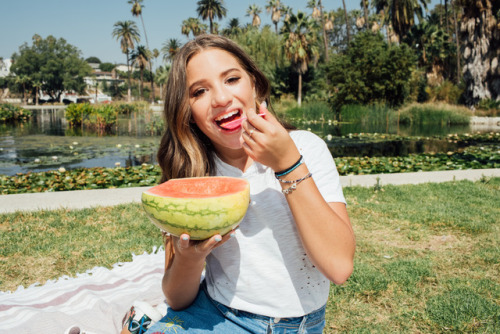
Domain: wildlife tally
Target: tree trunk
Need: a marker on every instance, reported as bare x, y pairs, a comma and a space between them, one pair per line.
299, 94
129, 91
141, 85
150, 66
325, 42
480, 40
365, 9
457, 41
347, 24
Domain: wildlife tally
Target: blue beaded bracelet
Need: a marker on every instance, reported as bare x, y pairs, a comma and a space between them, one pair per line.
290, 169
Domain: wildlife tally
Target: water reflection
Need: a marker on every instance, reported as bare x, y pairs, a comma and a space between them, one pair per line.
48, 142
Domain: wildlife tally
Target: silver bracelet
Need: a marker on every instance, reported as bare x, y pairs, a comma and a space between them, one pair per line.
294, 184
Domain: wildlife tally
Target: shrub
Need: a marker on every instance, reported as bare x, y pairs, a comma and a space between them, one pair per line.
12, 113
371, 71
445, 92
76, 113
312, 111
434, 113
369, 114
101, 117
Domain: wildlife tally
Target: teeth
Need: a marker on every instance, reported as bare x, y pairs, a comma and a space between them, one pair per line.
220, 118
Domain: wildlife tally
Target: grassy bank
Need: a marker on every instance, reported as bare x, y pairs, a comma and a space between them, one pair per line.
426, 261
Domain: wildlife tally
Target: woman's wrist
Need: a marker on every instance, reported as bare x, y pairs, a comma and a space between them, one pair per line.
290, 169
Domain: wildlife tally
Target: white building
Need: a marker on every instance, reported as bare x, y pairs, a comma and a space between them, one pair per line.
5, 67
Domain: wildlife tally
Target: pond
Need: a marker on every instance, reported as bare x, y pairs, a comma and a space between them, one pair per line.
47, 142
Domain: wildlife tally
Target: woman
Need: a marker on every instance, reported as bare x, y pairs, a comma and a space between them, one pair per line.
273, 273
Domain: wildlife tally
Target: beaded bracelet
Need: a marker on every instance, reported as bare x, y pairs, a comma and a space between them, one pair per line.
294, 184
289, 169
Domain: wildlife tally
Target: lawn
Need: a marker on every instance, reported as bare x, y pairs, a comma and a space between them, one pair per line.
427, 256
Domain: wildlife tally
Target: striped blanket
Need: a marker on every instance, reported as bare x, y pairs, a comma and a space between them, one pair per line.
95, 301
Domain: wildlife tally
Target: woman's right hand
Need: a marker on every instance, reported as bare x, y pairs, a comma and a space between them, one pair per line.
194, 250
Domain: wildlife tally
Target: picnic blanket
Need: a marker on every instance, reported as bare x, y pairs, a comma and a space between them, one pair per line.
96, 301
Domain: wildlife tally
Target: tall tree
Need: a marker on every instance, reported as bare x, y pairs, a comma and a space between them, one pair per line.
211, 9
254, 11
137, 7
170, 49
194, 26
274, 8
480, 42
347, 24
141, 57
233, 28
317, 14
300, 38
54, 62
401, 13
127, 33
365, 12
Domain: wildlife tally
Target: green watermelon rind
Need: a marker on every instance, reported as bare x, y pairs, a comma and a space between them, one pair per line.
201, 218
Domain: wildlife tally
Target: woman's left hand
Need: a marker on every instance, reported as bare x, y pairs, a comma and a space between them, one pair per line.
266, 141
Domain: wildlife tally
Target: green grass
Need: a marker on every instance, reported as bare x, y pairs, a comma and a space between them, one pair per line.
427, 258
434, 113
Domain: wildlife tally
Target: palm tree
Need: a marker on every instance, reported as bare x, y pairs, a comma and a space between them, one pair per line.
194, 26
401, 13
347, 24
137, 11
274, 7
233, 28
365, 11
141, 58
300, 44
128, 34
318, 15
170, 49
161, 77
210, 9
254, 11
479, 38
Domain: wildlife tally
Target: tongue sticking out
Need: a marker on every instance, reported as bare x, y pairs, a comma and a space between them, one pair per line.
231, 123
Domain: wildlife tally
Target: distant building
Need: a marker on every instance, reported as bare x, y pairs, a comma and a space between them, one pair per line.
123, 68
5, 67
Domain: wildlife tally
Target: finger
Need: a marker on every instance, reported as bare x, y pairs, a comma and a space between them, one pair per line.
184, 241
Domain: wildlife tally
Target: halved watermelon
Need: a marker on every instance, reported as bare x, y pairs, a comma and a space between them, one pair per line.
200, 206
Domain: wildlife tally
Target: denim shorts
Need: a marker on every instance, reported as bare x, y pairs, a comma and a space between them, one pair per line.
206, 315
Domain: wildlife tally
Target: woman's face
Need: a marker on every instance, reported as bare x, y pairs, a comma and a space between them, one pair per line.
220, 93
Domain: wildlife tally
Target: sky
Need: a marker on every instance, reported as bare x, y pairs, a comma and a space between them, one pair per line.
88, 24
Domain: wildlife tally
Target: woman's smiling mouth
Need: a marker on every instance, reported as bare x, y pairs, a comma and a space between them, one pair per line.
229, 121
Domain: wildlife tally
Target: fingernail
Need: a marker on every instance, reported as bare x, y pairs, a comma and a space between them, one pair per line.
263, 104
218, 238
185, 237
232, 235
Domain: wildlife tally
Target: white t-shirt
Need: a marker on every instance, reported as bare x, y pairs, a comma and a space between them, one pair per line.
265, 269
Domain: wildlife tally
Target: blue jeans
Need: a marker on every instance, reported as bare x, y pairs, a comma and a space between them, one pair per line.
206, 315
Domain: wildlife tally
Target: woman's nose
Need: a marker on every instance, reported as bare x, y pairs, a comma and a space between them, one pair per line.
221, 97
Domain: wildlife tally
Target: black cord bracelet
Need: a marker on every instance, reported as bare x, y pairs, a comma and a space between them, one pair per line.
289, 169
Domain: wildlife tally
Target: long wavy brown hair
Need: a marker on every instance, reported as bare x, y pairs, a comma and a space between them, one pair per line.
185, 151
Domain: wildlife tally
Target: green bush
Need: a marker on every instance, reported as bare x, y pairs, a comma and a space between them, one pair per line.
101, 117
371, 71
446, 92
366, 114
434, 113
126, 108
12, 113
76, 113
312, 111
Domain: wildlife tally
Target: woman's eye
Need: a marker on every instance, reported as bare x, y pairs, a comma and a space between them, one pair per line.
198, 92
232, 80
